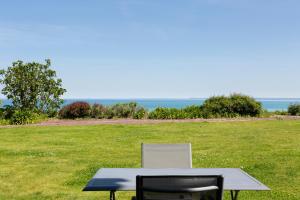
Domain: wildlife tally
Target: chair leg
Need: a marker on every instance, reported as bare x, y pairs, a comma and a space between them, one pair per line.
234, 194
112, 195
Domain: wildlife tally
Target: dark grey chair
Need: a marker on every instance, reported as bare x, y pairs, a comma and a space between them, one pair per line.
179, 187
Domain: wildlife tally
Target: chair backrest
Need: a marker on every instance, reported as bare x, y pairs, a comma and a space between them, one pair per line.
179, 187
166, 156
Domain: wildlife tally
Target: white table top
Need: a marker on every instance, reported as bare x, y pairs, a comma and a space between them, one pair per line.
123, 179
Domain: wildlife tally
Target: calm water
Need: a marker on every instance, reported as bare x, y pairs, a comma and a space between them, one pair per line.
269, 104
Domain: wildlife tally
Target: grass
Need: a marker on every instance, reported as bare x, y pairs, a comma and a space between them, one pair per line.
57, 162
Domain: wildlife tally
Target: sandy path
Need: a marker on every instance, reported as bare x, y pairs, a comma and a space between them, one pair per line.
58, 122
81, 122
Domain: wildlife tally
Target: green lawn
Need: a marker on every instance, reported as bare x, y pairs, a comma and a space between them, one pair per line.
56, 162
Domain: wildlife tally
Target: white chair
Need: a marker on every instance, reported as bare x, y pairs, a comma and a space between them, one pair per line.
166, 156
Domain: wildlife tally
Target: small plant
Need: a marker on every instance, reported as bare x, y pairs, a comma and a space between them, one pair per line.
167, 113
280, 112
193, 112
75, 110
109, 113
20, 117
124, 110
218, 106
140, 113
294, 109
158, 113
1, 111
98, 111
7, 111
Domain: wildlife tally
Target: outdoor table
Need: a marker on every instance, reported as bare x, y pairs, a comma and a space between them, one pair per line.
124, 179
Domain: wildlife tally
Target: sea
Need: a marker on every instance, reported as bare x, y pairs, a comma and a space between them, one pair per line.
270, 104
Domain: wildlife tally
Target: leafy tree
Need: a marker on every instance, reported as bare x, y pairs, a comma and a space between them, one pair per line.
32, 86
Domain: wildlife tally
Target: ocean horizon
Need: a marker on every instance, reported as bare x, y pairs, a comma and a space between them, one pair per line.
270, 104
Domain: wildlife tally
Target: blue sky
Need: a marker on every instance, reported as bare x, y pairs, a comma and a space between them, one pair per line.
158, 48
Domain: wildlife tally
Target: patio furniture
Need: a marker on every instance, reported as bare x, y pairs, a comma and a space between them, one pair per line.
166, 156
124, 179
179, 187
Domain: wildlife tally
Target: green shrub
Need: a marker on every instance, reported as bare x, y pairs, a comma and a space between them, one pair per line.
193, 112
109, 113
20, 117
4, 122
159, 113
1, 113
280, 112
124, 110
167, 113
98, 111
140, 113
75, 110
7, 111
245, 106
294, 109
218, 106
235, 105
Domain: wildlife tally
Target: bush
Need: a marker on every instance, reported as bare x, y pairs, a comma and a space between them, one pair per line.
20, 117
245, 106
4, 122
124, 110
1, 113
193, 112
294, 109
218, 106
109, 113
98, 111
280, 112
75, 110
7, 111
158, 113
167, 113
140, 113
235, 105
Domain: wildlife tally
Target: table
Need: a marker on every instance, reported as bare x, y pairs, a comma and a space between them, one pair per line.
123, 179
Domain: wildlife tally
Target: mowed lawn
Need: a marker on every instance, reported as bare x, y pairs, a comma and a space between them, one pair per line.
57, 162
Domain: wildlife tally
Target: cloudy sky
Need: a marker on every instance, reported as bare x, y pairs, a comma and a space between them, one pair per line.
158, 48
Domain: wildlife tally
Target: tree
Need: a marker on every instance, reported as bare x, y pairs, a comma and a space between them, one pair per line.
32, 86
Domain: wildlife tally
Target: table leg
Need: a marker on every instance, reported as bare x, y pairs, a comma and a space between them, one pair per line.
234, 194
112, 195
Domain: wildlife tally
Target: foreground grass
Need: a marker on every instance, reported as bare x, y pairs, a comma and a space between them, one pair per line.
56, 162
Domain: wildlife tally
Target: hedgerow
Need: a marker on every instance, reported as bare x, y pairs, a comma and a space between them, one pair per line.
235, 105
